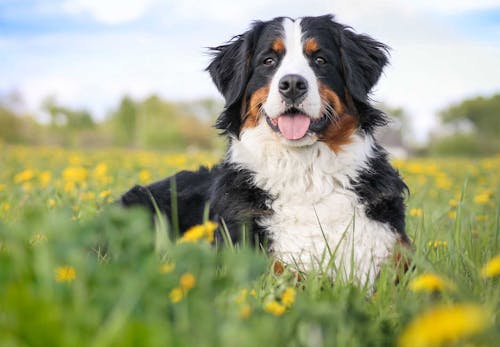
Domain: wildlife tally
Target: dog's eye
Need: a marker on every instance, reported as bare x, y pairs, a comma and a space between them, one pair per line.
269, 61
320, 60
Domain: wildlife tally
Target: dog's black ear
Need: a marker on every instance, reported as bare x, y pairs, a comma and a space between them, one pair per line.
230, 70
363, 60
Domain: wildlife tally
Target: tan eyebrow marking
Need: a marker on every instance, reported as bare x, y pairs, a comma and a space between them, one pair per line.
311, 46
278, 46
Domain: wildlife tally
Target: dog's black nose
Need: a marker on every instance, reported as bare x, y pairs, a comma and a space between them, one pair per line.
293, 88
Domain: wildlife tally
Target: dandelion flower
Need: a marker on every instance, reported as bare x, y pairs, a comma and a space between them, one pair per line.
75, 174
144, 176
444, 325
187, 281
491, 268
253, 293
482, 198
24, 176
288, 297
45, 177
274, 308
104, 194
242, 296
437, 244
416, 212
2, 187
167, 267
245, 311
428, 283
65, 274
176, 295
198, 232
5, 207
452, 214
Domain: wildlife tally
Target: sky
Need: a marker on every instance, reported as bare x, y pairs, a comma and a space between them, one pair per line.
89, 53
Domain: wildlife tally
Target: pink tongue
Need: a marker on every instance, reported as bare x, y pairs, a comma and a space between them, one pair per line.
293, 127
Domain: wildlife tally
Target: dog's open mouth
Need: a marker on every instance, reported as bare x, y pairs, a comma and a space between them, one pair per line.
294, 124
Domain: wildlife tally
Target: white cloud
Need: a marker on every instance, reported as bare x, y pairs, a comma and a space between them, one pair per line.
456, 6
110, 11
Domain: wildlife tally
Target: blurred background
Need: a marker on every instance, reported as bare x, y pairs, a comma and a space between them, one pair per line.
130, 73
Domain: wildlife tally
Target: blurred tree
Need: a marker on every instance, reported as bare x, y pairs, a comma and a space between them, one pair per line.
10, 126
155, 123
125, 120
473, 128
483, 114
65, 117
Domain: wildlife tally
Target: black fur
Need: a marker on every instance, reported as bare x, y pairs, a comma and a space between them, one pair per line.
355, 64
227, 191
382, 191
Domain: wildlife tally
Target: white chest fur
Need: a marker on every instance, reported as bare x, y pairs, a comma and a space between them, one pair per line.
318, 222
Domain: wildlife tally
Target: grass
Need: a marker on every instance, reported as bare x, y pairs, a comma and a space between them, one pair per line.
77, 271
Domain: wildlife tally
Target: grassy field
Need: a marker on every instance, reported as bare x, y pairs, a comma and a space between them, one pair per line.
59, 287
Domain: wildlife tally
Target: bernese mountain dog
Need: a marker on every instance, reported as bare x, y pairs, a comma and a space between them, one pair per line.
303, 176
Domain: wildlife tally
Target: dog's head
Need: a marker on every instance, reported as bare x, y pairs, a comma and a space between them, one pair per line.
308, 79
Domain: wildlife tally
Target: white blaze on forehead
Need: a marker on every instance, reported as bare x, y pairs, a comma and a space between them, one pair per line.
293, 62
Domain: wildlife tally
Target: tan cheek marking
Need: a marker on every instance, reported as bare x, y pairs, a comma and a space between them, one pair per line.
252, 114
278, 46
338, 133
311, 46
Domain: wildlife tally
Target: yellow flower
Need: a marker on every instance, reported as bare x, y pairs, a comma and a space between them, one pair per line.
65, 274
104, 194
437, 244
482, 198
452, 214
5, 207
444, 325
245, 311
51, 202
75, 174
288, 297
144, 176
253, 293
491, 268
242, 296
187, 281
167, 267
428, 283
100, 170
24, 176
453, 203
176, 295
416, 212
45, 178
2, 187
198, 232
443, 181
275, 308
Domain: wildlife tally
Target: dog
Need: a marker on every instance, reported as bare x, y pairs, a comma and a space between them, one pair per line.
303, 176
